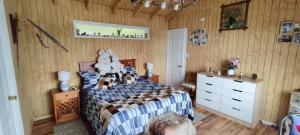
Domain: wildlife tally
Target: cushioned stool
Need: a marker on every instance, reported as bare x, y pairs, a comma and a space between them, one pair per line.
170, 124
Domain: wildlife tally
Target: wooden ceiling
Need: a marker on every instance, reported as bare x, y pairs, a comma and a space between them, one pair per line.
127, 5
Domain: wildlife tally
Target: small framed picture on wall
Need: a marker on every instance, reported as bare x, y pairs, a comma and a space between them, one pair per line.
285, 38
297, 38
297, 27
287, 28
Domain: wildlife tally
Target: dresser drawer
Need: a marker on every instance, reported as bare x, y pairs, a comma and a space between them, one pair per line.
210, 96
237, 103
207, 79
239, 85
239, 95
209, 87
208, 103
67, 95
237, 113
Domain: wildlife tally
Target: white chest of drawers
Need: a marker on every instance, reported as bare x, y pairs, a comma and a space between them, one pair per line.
230, 97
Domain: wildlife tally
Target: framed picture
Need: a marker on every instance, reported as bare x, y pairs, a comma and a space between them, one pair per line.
199, 37
285, 38
287, 28
84, 29
297, 38
297, 27
234, 16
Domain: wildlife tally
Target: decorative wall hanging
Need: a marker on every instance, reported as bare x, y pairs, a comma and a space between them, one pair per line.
199, 37
297, 27
84, 29
287, 28
297, 38
58, 43
14, 31
234, 16
165, 4
14, 27
286, 32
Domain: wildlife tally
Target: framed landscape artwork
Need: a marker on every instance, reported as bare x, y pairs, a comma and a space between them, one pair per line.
84, 29
234, 16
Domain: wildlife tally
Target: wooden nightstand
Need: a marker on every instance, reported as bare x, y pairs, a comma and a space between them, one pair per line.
154, 78
66, 105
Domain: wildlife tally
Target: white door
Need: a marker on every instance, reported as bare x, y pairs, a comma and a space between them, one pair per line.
177, 42
10, 115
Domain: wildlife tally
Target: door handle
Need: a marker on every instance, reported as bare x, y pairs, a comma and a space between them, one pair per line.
10, 98
179, 66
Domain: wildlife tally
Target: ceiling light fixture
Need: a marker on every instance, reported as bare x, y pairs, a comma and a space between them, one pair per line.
166, 4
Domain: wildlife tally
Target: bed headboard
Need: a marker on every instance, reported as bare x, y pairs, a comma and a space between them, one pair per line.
89, 65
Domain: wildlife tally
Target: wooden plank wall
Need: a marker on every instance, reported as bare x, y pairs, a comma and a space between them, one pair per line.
278, 64
39, 66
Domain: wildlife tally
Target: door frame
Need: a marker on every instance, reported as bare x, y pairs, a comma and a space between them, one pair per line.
184, 51
7, 64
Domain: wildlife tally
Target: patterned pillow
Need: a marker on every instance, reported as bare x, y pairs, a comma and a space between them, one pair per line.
106, 83
117, 77
90, 78
129, 78
130, 70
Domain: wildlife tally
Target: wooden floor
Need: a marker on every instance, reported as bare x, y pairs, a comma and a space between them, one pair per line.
212, 125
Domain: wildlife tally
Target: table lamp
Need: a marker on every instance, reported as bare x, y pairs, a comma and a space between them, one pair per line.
64, 77
149, 69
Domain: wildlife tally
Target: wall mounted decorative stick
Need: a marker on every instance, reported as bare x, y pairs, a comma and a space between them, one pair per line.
41, 41
48, 35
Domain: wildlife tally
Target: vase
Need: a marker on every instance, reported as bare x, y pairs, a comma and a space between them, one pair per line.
230, 72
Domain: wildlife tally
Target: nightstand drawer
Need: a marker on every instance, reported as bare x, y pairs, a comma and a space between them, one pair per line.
67, 95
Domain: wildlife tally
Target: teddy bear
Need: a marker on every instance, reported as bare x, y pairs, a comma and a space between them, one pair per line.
104, 63
108, 62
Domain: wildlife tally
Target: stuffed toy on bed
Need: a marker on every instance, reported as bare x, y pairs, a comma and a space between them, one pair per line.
108, 62
110, 69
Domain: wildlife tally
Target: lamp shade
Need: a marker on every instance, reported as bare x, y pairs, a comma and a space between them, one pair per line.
149, 66
63, 75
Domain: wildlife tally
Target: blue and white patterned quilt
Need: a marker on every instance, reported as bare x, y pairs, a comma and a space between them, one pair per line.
126, 108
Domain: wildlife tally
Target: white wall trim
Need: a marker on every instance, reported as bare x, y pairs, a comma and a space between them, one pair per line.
9, 73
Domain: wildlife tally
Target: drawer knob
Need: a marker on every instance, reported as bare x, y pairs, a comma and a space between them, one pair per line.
240, 81
237, 90
208, 83
208, 92
209, 76
207, 99
66, 95
236, 109
236, 99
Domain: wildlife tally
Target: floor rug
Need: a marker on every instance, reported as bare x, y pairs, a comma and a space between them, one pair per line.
198, 116
75, 127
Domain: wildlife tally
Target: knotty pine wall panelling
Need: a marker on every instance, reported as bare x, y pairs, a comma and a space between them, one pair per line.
277, 64
40, 65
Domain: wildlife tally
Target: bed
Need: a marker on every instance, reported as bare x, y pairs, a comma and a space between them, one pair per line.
127, 108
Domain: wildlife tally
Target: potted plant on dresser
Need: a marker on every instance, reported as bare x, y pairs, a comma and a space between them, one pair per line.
232, 66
